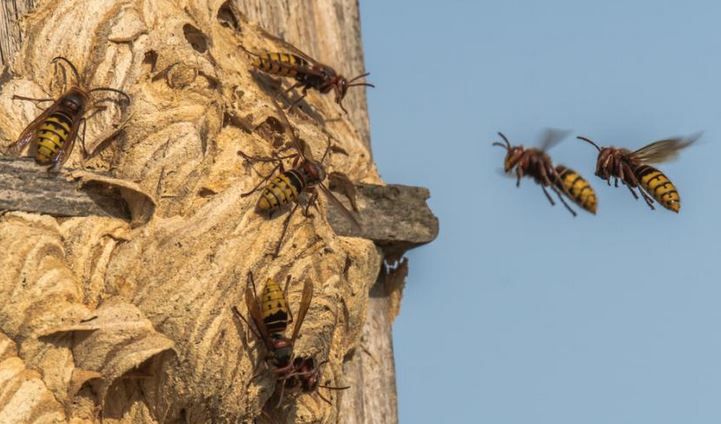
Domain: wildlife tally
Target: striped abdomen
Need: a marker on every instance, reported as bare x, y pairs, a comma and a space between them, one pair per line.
577, 188
281, 64
280, 191
50, 137
655, 183
274, 308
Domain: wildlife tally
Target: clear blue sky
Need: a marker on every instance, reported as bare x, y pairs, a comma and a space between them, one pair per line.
519, 313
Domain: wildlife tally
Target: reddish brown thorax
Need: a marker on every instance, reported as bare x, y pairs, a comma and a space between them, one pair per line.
532, 161
609, 160
74, 100
312, 171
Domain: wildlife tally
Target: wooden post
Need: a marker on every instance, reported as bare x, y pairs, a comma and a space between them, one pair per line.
10, 39
328, 30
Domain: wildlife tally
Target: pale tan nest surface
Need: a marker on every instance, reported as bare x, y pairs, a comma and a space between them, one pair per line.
134, 324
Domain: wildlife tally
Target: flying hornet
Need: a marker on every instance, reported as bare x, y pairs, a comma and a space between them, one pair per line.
271, 316
285, 187
535, 163
308, 74
634, 171
53, 133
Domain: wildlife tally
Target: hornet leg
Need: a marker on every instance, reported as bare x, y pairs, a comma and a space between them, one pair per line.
32, 99
282, 392
261, 183
285, 229
247, 324
311, 202
646, 197
298, 100
323, 397
85, 150
635, 196
293, 87
560, 197
548, 196
285, 296
546, 182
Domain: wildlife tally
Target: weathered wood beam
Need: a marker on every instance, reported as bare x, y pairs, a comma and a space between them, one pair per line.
10, 37
27, 187
396, 217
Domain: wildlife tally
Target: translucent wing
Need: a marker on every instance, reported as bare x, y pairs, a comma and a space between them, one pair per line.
300, 146
67, 147
664, 150
552, 136
314, 67
303, 69
28, 133
290, 48
343, 209
306, 152
303, 309
295, 50
251, 302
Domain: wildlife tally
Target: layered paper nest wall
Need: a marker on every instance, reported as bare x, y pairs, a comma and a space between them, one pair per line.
103, 320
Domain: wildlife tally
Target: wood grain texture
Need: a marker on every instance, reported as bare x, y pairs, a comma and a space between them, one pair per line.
27, 187
371, 366
11, 11
142, 49
327, 30
394, 217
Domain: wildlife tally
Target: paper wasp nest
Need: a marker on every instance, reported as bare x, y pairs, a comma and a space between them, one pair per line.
101, 320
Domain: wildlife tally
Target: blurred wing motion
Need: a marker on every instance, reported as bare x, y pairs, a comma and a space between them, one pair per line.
664, 150
551, 137
303, 309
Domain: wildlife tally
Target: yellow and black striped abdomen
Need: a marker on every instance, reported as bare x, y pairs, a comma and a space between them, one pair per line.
281, 64
577, 188
280, 191
655, 183
50, 137
274, 308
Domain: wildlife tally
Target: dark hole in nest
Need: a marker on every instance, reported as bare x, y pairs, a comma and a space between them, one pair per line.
213, 83
349, 356
206, 192
151, 59
226, 16
196, 38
